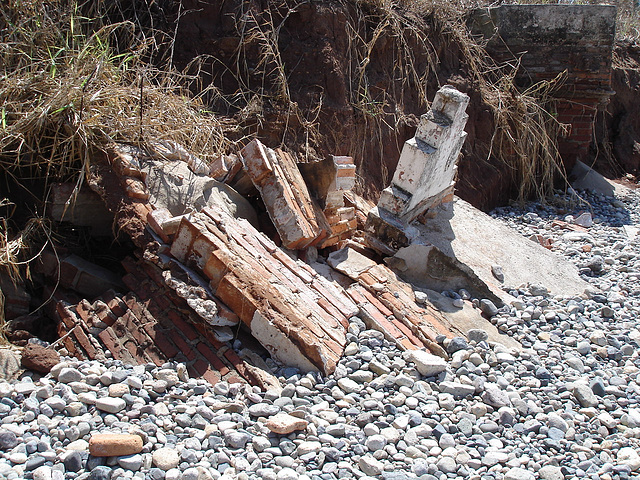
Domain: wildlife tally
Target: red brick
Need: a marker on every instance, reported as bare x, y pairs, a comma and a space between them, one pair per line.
66, 317
183, 347
130, 280
331, 310
184, 327
85, 342
407, 332
110, 341
132, 267
154, 273
85, 311
212, 358
238, 364
200, 366
155, 355
162, 301
374, 300
143, 289
211, 376
161, 340
142, 209
117, 306
234, 379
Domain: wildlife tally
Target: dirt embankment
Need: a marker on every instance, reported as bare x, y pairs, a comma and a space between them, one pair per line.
333, 78
350, 78
617, 147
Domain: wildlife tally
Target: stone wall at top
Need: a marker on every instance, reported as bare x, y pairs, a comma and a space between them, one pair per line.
548, 40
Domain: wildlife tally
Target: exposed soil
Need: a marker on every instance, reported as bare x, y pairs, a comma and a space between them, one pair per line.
318, 50
617, 150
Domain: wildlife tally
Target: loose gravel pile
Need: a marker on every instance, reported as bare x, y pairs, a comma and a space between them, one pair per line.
565, 406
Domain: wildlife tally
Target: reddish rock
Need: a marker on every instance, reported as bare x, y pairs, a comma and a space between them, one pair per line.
285, 424
38, 358
114, 444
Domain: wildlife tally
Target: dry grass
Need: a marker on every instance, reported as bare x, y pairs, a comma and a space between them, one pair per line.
66, 93
526, 132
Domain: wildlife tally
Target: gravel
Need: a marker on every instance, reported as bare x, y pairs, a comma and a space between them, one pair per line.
567, 405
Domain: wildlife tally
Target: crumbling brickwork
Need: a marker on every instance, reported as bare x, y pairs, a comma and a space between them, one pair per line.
573, 43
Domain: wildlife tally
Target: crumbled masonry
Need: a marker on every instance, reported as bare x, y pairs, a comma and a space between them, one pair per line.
425, 175
204, 272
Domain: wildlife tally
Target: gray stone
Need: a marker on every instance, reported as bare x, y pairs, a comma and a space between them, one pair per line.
131, 462
370, 466
8, 440
236, 438
68, 375
584, 395
263, 410
110, 404
495, 396
457, 389
427, 364
488, 307
477, 335
519, 474
550, 472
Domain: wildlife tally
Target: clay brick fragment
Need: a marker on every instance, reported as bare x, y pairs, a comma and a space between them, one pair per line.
114, 445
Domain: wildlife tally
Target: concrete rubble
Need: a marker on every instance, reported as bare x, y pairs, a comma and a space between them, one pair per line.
204, 272
424, 177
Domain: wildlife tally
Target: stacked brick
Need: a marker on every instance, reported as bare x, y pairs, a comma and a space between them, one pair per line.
387, 304
296, 314
570, 43
150, 324
298, 220
341, 218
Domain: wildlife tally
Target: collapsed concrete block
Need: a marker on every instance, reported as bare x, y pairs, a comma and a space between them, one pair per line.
297, 219
76, 273
428, 162
297, 315
172, 185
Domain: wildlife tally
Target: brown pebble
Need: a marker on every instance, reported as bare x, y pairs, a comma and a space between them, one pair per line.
114, 444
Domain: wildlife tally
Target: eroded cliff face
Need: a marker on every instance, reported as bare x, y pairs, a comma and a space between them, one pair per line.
342, 78
616, 150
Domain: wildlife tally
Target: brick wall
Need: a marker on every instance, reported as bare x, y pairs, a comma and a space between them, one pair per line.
149, 324
548, 40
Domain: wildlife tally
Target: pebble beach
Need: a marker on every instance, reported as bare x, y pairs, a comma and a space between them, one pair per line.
566, 405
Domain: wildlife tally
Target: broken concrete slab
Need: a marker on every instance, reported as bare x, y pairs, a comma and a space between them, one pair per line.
478, 241
584, 177
349, 262
427, 266
79, 206
469, 318
173, 186
299, 222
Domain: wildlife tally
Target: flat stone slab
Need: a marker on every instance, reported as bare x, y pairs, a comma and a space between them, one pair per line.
586, 178
479, 241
